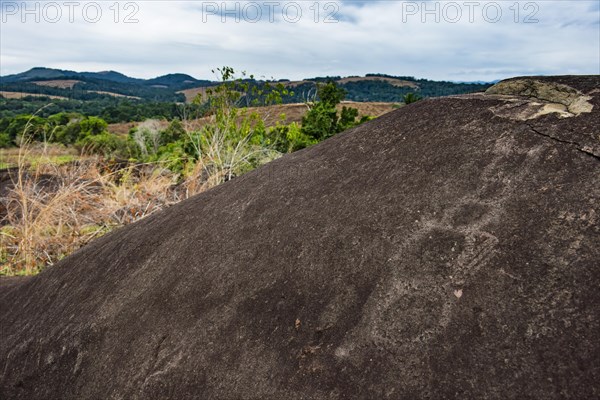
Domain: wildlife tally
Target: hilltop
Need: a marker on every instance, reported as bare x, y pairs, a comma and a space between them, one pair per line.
448, 249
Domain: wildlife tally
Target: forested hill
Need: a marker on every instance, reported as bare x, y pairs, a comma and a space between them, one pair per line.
181, 87
388, 88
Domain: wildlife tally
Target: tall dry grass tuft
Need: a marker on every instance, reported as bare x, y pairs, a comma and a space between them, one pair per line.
51, 209
136, 191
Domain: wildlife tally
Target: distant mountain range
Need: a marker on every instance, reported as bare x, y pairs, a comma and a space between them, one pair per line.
173, 81
181, 87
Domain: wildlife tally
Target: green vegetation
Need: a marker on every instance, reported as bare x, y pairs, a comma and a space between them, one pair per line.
55, 206
87, 88
111, 109
411, 98
159, 98
87, 134
322, 120
227, 124
376, 88
73, 180
230, 141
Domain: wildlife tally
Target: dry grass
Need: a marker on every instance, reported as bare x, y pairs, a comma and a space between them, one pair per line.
123, 128
51, 205
190, 94
295, 112
113, 94
61, 84
293, 84
48, 210
37, 152
271, 114
58, 83
20, 95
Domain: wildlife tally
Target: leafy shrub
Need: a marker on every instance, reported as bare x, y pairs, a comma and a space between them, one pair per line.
322, 120
5, 141
105, 144
411, 98
289, 138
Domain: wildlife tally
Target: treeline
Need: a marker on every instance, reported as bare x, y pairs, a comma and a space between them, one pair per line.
380, 90
153, 102
65, 128
87, 87
111, 109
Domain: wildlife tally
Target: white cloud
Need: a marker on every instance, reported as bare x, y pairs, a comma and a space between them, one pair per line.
376, 36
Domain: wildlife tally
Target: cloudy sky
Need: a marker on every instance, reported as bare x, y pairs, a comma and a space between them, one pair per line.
453, 40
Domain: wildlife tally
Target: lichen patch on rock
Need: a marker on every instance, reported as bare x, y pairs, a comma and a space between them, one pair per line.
544, 98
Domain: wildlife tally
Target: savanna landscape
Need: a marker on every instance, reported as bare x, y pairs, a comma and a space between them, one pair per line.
70, 177
325, 200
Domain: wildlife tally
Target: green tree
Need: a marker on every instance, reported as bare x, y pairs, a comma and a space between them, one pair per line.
105, 144
68, 133
347, 118
288, 138
322, 120
5, 141
28, 128
331, 94
411, 98
93, 126
69, 128
174, 132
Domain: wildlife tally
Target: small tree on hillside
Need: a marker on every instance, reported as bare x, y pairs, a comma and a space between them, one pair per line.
411, 98
322, 120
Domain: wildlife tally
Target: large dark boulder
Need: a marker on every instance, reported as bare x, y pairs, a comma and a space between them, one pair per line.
449, 249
